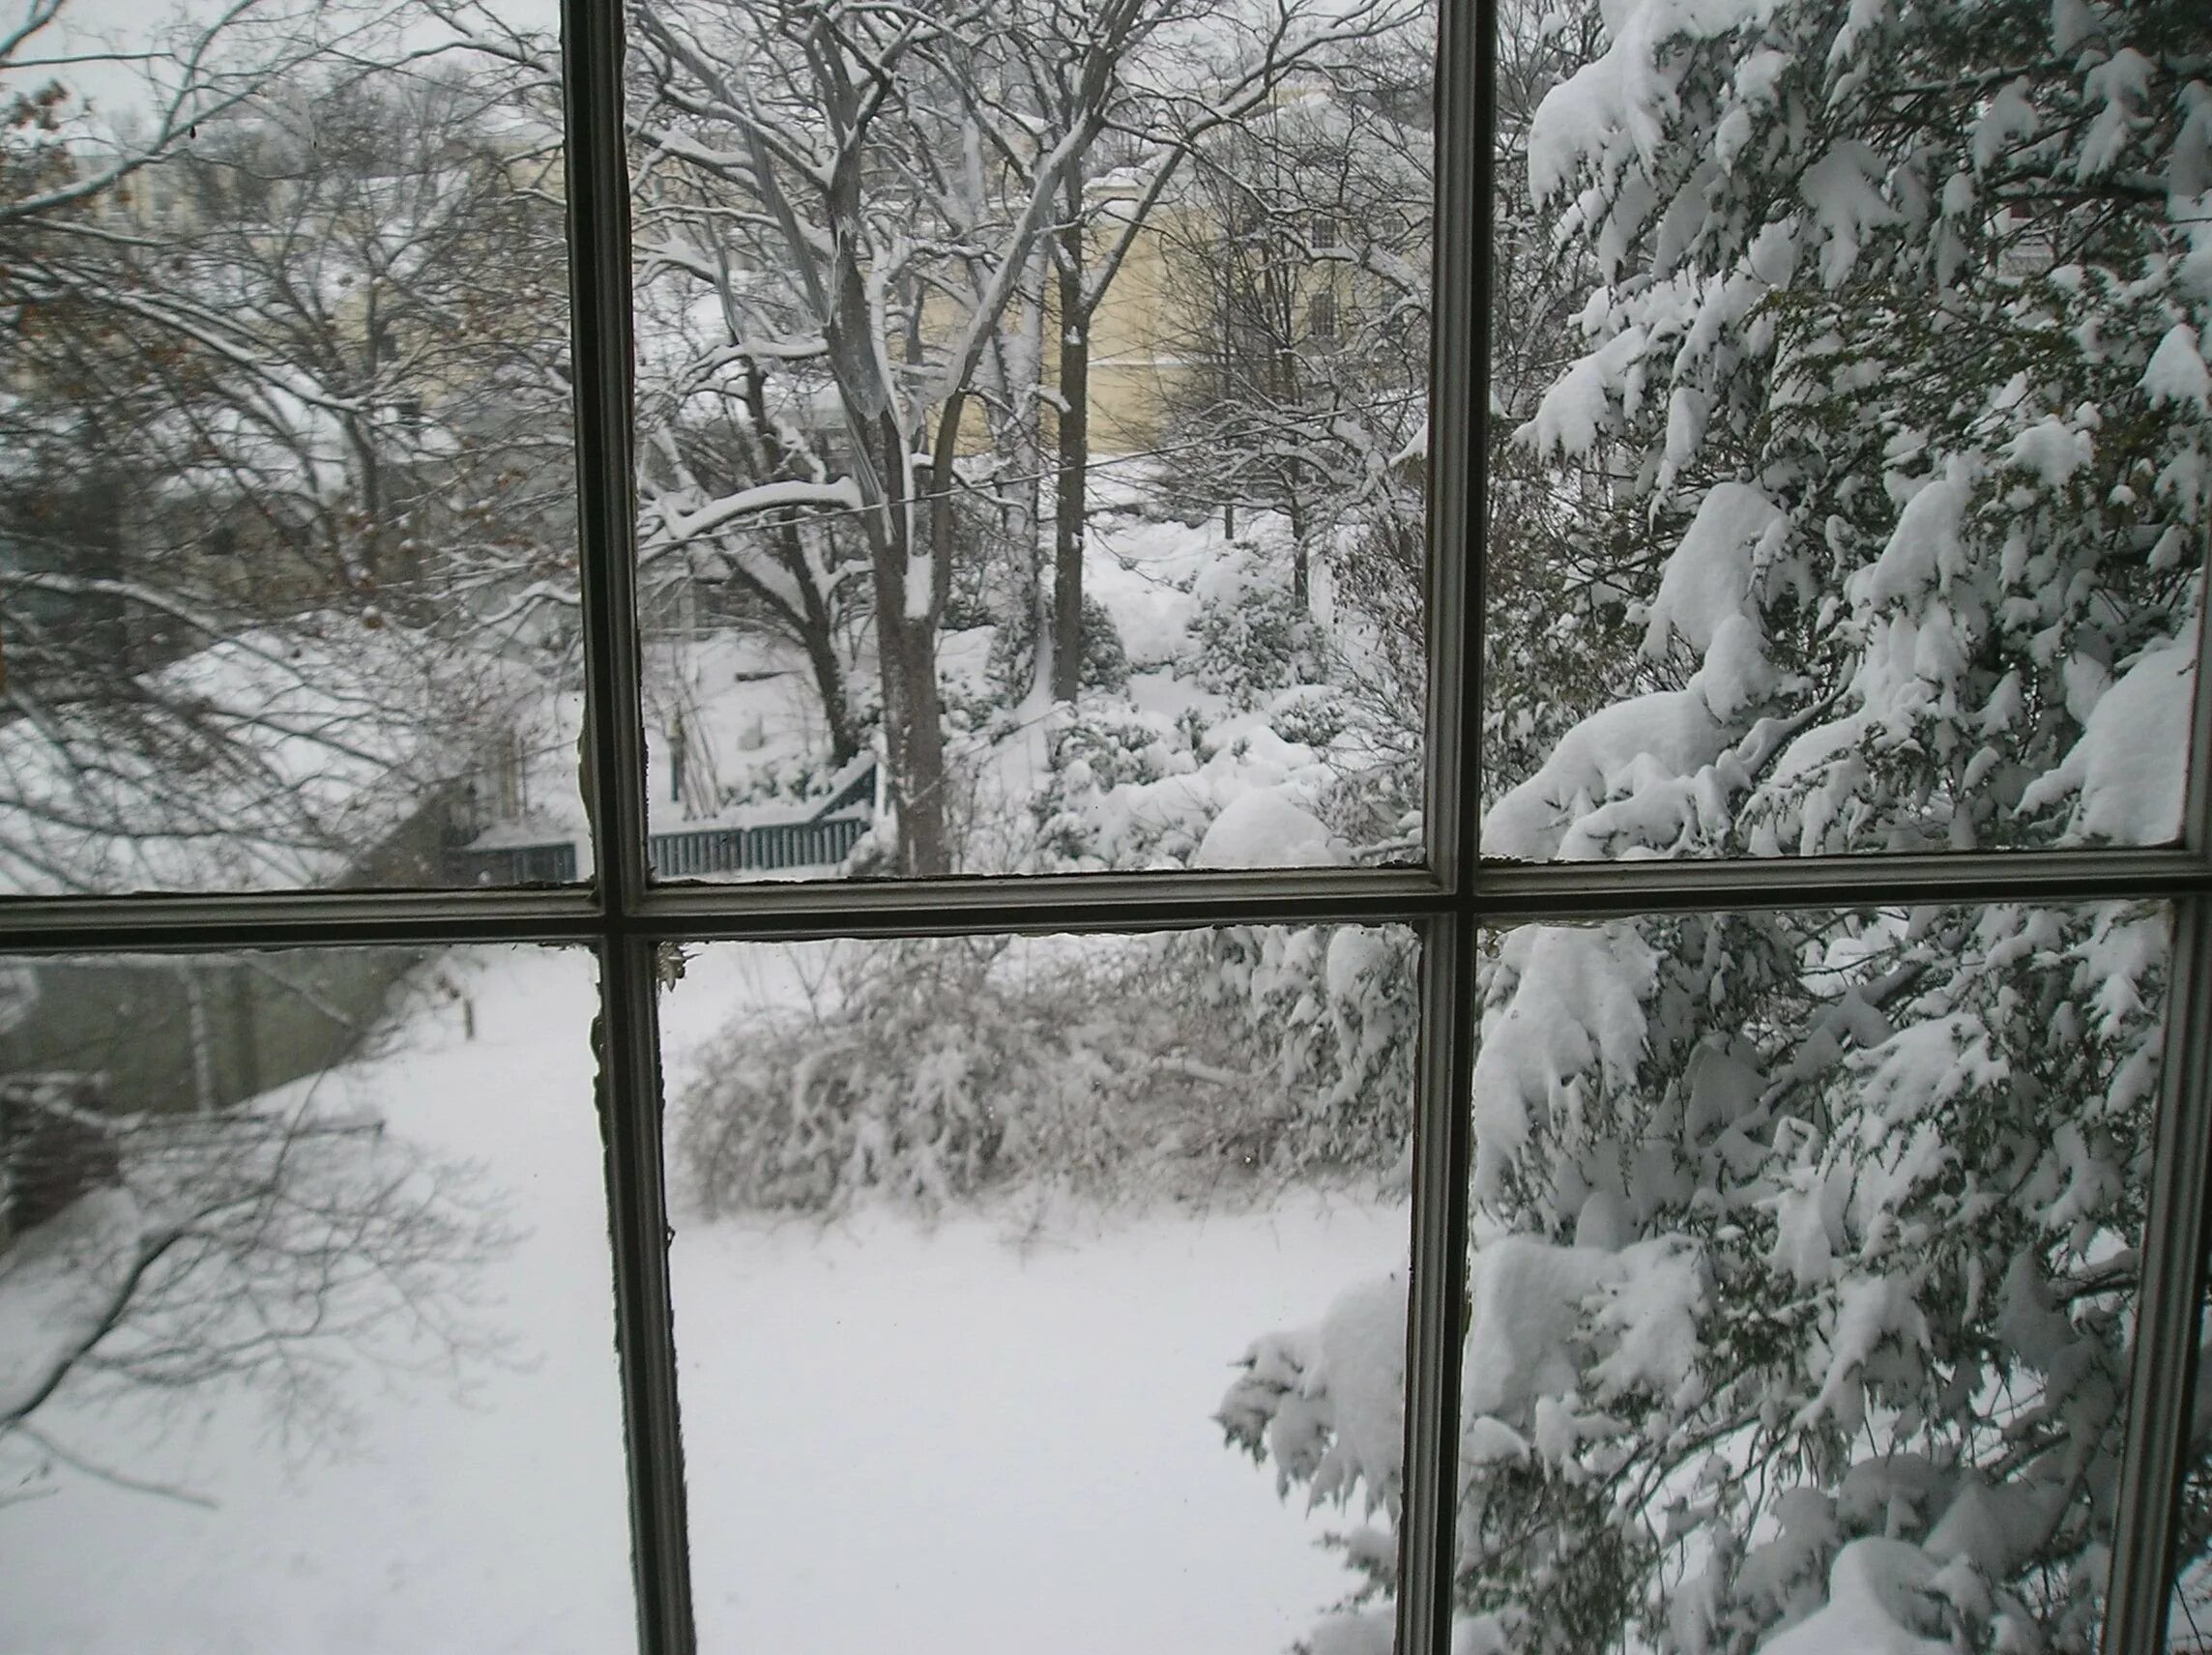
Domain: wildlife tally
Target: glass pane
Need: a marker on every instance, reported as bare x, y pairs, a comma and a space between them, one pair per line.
1852, 464
1803, 1279
306, 1321
972, 1237
1042, 488
288, 575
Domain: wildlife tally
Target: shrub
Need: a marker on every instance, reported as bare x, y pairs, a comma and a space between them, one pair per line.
949, 1067
1249, 635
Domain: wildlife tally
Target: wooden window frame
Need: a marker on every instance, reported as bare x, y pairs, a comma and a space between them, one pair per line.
625, 917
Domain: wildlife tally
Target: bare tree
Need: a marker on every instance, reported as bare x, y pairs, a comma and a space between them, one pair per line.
1207, 73
250, 1250
864, 197
294, 376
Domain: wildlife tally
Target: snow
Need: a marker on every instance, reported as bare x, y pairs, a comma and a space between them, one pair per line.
1843, 190
1263, 829
1708, 578
1524, 1302
1870, 1312
2125, 775
1577, 406
1673, 733
980, 1435
2052, 450
1528, 1302
1371, 1632
1923, 548
2009, 115
2121, 84
1577, 1002
488, 1520
2176, 372
1878, 1590
895, 1431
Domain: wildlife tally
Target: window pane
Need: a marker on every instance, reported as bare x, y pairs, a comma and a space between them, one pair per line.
306, 1331
1040, 488
288, 575
1803, 1279
1855, 419
972, 1237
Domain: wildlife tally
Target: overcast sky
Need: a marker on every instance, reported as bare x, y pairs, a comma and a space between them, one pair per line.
101, 33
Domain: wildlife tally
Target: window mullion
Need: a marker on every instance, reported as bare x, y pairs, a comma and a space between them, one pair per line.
629, 1095
2176, 1232
2165, 1332
613, 757
1437, 1287
1459, 404
613, 782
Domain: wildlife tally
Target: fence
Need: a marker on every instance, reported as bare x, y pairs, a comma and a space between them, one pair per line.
823, 837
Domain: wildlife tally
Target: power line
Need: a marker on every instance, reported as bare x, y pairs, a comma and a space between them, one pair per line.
1316, 418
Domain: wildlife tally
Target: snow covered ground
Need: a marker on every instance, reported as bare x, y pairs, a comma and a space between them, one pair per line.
986, 1435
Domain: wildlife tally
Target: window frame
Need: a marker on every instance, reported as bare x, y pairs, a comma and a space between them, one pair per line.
624, 917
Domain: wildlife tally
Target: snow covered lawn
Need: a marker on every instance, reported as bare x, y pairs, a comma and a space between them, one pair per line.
941, 1441
983, 1436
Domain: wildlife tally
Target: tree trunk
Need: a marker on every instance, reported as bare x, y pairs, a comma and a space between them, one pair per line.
817, 631
1071, 485
914, 730
830, 687
906, 641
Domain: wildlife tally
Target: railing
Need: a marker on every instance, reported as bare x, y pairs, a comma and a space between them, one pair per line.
823, 837
771, 848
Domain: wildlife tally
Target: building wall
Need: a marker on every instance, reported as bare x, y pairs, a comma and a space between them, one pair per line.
177, 1035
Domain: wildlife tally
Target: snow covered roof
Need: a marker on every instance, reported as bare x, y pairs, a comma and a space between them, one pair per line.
273, 759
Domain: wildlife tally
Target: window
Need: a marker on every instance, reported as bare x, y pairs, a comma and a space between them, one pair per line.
1321, 315
1764, 941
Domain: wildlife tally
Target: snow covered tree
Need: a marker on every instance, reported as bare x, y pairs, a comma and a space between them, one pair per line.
291, 380
821, 150
1800, 1309
1299, 263
858, 205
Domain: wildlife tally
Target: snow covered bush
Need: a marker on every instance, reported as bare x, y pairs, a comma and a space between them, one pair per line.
1014, 653
1130, 788
1097, 748
1337, 1010
937, 1071
1249, 635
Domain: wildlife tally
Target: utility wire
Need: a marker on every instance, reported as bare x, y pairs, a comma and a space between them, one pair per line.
1317, 418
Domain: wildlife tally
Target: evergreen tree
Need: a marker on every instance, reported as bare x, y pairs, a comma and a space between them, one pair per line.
1801, 1296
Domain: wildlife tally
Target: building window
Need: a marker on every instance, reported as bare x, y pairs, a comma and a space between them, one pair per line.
1614, 973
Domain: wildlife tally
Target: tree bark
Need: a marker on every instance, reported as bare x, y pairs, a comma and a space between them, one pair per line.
1071, 483
906, 640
